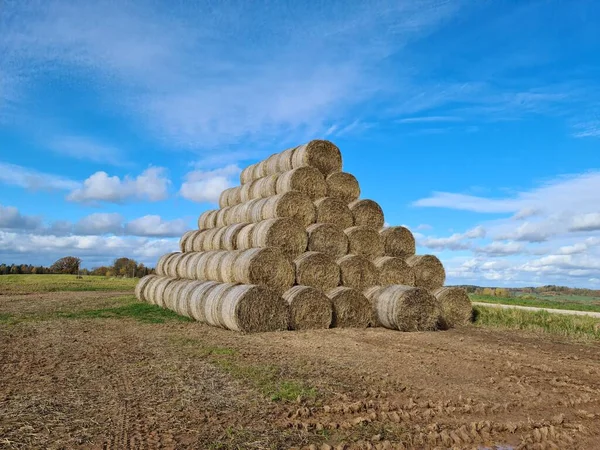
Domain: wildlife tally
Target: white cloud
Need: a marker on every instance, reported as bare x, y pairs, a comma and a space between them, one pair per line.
501, 249
458, 241
100, 223
15, 175
155, 226
151, 185
11, 218
586, 222
83, 148
587, 129
207, 185
424, 226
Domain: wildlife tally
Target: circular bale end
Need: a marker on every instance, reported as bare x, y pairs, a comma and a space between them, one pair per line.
327, 238
404, 308
263, 266
357, 272
364, 241
394, 271
253, 309
310, 308
292, 205
367, 213
140, 287
285, 234
321, 154
351, 309
317, 270
333, 211
429, 271
398, 242
307, 180
456, 307
343, 186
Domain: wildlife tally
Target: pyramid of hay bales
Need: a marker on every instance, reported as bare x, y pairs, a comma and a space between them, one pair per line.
295, 247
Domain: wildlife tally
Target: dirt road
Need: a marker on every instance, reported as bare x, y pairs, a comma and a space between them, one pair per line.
532, 308
119, 384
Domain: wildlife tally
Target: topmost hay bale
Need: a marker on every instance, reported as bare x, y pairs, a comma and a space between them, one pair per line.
398, 242
367, 213
429, 271
456, 306
404, 308
343, 186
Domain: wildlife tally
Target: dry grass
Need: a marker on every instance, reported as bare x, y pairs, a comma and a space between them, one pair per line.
310, 308
285, 234
317, 270
367, 213
343, 186
357, 272
307, 180
364, 241
321, 154
351, 309
456, 306
327, 238
333, 211
429, 271
398, 242
394, 271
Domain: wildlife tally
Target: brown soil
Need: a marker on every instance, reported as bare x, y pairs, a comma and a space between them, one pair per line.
119, 383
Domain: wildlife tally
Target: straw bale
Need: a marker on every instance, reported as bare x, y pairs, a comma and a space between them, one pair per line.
357, 272
321, 154
367, 213
191, 267
455, 305
183, 303
284, 233
182, 265
140, 287
309, 308
351, 309
263, 266
307, 180
429, 271
327, 238
159, 292
197, 302
398, 242
394, 271
244, 237
229, 236
317, 270
343, 186
364, 241
150, 290
207, 219
293, 205
186, 237
334, 211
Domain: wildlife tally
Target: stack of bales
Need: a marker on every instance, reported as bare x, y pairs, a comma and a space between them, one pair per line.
295, 247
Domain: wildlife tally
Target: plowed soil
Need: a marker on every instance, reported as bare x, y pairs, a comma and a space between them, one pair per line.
122, 384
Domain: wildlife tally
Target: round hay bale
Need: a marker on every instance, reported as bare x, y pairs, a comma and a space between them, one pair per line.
183, 304
272, 163
197, 302
150, 290
321, 154
212, 305
175, 295
284, 160
244, 237
182, 265
171, 265
265, 187
310, 308
202, 264
404, 308
351, 309
228, 262
159, 292
141, 286
229, 197
229, 236
207, 219
259, 171
183, 241
398, 242
213, 265
307, 180
394, 271
357, 272
167, 296
456, 307
257, 211
343, 186
284, 234
217, 238
364, 241
262, 266
429, 271
192, 266
252, 309
333, 211
191, 241
317, 270
327, 238
246, 174
221, 219
161, 264
367, 213
246, 192
293, 205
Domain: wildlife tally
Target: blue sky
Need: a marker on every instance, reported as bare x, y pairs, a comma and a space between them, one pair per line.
475, 124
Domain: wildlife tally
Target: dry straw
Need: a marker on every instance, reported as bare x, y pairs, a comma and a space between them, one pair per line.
404, 308
343, 186
207, 219
212, 304
307, 180
317, 270
164, 263
192, 266
351, 309
263, 266
321, 154
185, 238
456, 306
398, 242
334, 211
182, 305
159, 292
364, 241
150, 291
181, 264
228, 239
244, 237
167, 297
309, 308
357, 272
284, 234
197, 302
429, 271
394, 271
367, 213
327, 238
175, 295
140, 287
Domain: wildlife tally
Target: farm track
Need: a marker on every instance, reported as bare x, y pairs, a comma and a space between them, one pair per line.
121, 384
535, 308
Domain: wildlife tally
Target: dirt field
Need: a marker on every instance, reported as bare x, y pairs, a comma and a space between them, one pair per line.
122, 382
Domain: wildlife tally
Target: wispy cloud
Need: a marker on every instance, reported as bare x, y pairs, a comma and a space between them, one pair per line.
207, 185
587, 129
84, 148
15, 175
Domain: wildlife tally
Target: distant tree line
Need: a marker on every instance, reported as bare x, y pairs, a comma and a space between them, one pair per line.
121, 267
545, 290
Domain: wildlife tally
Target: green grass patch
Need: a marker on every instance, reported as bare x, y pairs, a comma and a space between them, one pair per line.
26, 284
142, 312
581, 327
541, 302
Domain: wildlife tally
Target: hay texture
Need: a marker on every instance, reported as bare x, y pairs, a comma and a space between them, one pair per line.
364, 241
343, 186
351, 309
327, 238
333, 211
317, 270
398, 242
404, 308
285, 234
309, 308
367, 213
186, 237
455, 305
197, 301
429, 271
357, 272
207, 219
394, 271
140, 287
